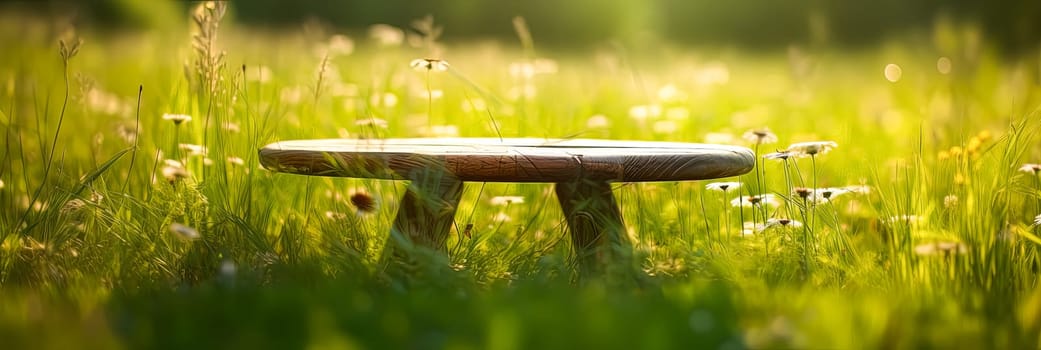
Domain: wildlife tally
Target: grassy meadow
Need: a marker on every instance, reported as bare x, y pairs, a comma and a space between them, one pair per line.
125, 225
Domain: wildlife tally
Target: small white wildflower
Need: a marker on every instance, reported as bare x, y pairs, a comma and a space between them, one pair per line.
643, 112
291, 95
236, 161
715, 73
106, 103
386, 99
767, 199
373, 122
779, 155
1, 184
386, 35
812, 148
127, 132
177, 119
677, 113
231, 127
910, 219
664, 127
598, 121
760, 136
545, 66
506, 200
1037, 220
429, 64
260, 74
173, 171
193, 150
228, 269
827, 194
474, 105
893, 72
950, 201
943, 65
671, 94
858, 189
942, 247
775, 222
433, 94
525, 91
502, 217
444, 131
723, 186
184, 232
1031, 168
340, 45
335, 215
522, 70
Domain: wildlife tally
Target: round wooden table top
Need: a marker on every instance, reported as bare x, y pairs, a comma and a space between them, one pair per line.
508, 160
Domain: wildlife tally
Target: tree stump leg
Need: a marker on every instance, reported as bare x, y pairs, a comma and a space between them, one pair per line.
427, 211
596, 226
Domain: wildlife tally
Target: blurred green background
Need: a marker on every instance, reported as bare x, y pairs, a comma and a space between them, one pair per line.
1013, 26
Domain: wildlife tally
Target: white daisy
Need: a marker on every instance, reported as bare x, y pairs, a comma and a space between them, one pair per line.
805, 149
755, 200
1031, 168
506, 200
760, 136
177, 119
429, 64
775, 222
779, 155
723, 186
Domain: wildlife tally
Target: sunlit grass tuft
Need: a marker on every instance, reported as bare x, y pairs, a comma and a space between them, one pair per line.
159, 226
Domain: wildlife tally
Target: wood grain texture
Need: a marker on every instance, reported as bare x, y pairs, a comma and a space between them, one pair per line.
597, 231
427, 211
509, 160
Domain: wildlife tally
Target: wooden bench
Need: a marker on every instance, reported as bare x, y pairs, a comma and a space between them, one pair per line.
582, 170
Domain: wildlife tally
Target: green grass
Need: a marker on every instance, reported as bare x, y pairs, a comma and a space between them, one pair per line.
88, 258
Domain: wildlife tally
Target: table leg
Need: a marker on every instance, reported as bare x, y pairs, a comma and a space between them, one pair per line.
596, 225
427, 211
